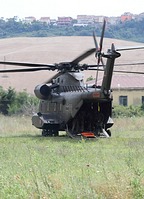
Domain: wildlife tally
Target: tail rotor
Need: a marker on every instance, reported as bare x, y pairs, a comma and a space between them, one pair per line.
98, 53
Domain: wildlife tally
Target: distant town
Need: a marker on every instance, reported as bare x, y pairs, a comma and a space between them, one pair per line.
128, 26
84, 20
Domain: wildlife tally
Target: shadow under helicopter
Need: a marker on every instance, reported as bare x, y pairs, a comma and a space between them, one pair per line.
61, 138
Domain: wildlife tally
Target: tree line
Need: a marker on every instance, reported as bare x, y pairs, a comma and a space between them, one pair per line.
130, 30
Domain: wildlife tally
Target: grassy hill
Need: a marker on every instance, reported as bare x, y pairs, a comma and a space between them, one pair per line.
54, 50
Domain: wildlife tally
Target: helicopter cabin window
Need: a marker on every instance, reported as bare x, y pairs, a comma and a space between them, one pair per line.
123, 100
53, 106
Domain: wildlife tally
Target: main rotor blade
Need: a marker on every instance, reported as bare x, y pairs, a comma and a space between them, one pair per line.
119, 71
26, 64
127, 64
130, 48
83, 56
131, 72
122, 64
91, 66
22, 70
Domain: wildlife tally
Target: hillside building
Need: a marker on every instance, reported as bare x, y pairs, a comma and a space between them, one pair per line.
45, 20
126, 90
64, 21
127, 16
89, 19
30, 19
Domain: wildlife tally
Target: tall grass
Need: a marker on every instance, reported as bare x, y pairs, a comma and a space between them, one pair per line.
38, 167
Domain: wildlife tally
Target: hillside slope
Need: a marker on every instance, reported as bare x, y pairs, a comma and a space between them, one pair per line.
54, 50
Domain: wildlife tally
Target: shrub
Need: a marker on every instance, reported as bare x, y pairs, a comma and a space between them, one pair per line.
128, 111
12, 102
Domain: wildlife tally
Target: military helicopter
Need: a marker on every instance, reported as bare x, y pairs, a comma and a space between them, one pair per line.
67, 103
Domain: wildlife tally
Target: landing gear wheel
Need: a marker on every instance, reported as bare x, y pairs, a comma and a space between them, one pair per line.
56, 134
47, 132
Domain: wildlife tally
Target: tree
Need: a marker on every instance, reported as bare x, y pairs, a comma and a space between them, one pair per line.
7, 98
12, 102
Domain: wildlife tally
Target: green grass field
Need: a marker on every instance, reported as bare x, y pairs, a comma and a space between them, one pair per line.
35, 167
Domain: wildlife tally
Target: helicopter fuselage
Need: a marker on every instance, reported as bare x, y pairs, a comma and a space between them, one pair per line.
72, 106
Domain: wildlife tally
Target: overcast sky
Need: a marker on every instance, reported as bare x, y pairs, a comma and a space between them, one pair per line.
55, 8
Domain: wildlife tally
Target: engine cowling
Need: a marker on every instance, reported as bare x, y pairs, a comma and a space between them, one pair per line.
42, 91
